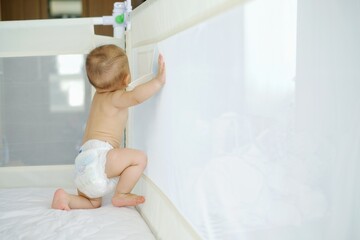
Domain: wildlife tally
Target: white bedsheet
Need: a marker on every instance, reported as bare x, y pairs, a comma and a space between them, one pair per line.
25, 213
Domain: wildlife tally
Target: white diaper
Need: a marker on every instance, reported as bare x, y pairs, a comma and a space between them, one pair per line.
90, 177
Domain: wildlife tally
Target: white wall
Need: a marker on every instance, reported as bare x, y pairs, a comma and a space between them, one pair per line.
256, 134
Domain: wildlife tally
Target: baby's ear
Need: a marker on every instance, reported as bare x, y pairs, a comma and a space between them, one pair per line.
126, 80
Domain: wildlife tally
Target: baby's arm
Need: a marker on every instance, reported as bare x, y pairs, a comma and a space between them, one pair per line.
142, 92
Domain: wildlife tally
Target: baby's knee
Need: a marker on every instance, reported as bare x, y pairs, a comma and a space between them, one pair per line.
96, 203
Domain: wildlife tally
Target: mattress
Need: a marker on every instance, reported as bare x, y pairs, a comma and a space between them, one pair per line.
25, 213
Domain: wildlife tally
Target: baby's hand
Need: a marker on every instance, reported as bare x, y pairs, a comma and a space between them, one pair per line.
161, 76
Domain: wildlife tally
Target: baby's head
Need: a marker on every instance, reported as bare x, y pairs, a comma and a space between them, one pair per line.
107, 68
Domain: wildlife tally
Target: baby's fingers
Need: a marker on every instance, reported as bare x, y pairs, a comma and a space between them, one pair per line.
161, 63
160, 60
161, 72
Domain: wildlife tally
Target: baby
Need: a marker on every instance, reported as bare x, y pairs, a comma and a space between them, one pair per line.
102, 165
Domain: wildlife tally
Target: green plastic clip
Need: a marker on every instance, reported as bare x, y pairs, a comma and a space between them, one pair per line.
120, 19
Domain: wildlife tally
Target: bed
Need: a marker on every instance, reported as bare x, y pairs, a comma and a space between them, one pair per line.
262, 95
25, 213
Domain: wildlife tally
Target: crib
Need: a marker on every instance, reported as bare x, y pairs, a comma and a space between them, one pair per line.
254, 136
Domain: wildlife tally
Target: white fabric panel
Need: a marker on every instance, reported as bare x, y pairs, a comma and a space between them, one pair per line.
25, 213
157, 19
256, 133
49, 37
160, 214
37, 176
44, 92
44, 104
328, 109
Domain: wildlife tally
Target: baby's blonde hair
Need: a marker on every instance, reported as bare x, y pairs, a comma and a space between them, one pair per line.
107, 68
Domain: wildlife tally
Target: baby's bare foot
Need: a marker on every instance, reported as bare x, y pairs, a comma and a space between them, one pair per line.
60, 200
127, 199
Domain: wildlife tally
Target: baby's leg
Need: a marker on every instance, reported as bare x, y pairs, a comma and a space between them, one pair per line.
129, 164
65, 201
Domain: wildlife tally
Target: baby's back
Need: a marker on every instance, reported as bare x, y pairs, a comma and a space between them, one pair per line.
105, 122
